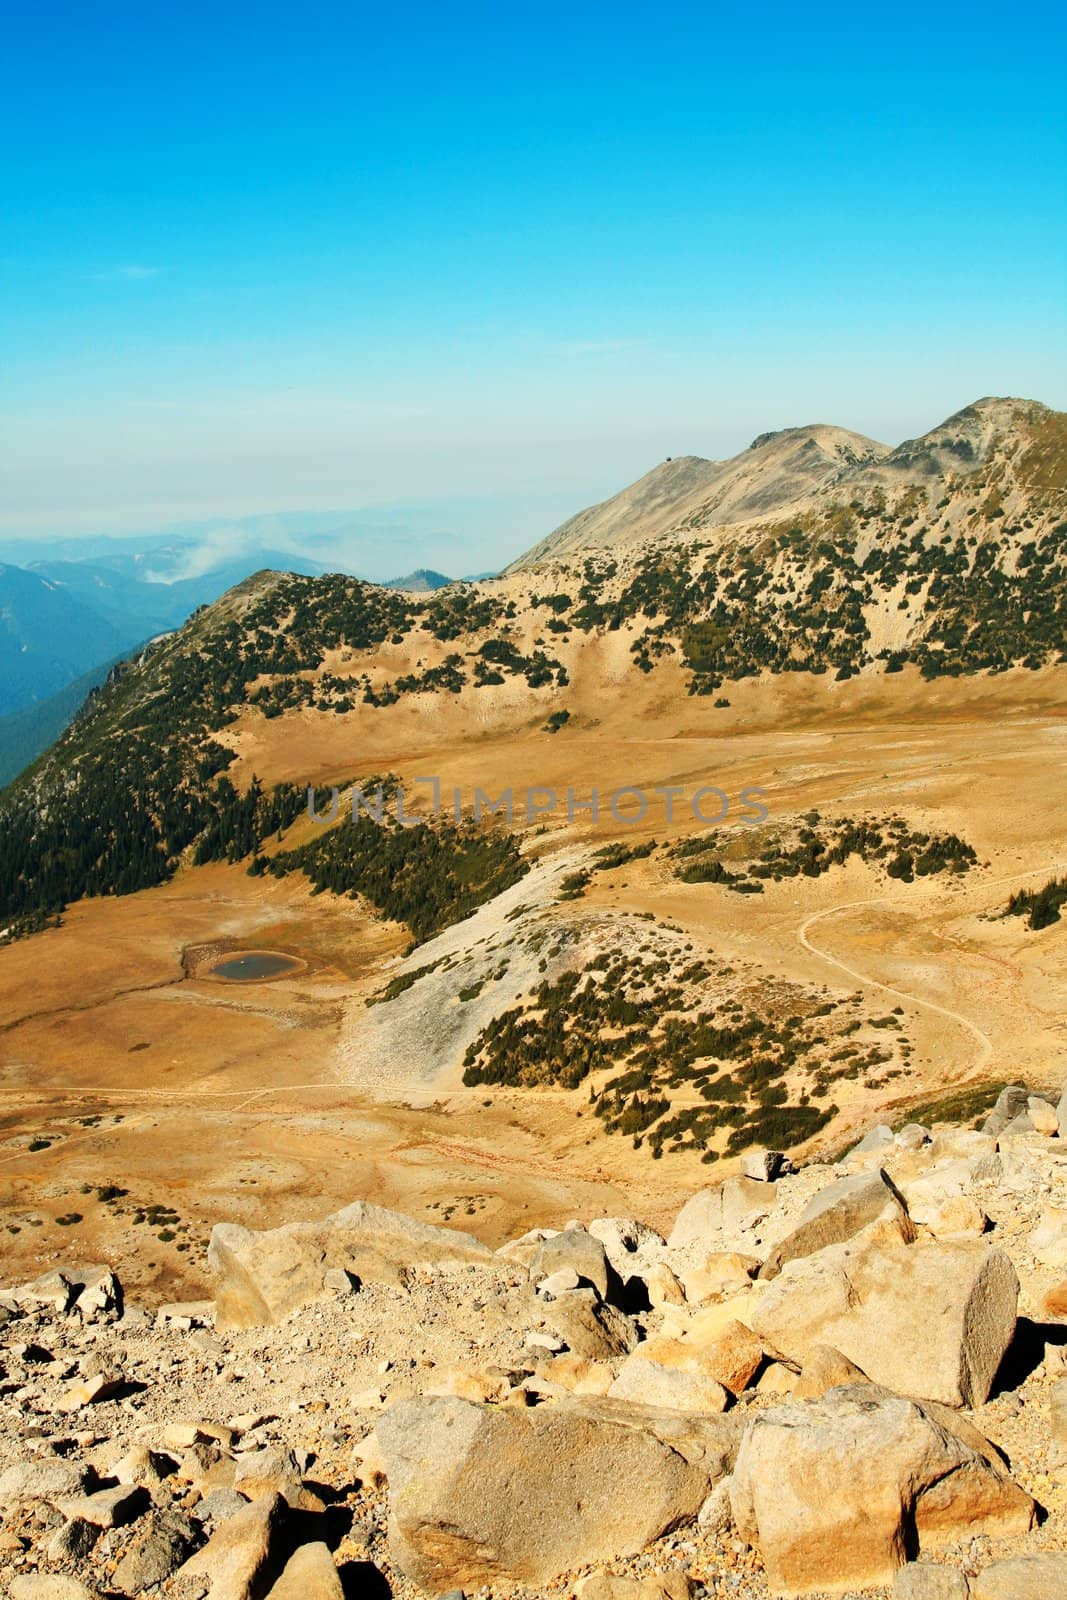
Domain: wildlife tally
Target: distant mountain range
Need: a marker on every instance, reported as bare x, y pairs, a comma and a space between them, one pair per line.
66, 619
423, 581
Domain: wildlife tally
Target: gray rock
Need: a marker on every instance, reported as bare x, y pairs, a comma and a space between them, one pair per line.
47, 1479
220, 1504
1040, 1577
453, 1470
1061, 1113
581, 1253
590, 1327
837, 1213
73, 1541
925, 1580
1010, 1102
158, 1549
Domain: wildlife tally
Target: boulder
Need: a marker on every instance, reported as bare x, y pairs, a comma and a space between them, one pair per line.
835, 1491
631, 1247
157, 1550
141, 1465
92, 1293
825, 1368
262, 1278
101, 1386
243, 1554
310, 1574
108, 1508
699, 1221
648, 1383
270, 1471
927, 1580
1010, 1102
878, 1138
1043, 1116
484, 1495
588, 1326
933, 1318
467, 1383
1061, 1114
745, 1201
571, 1374
764, 1165
715, 1516
49, 1479
837, 1213
576, 1251
72, 1542
958, 1217
662, 1286
777, 1379
558, 1283
724, 1272
725, 1349
1038, 1577
522, 1250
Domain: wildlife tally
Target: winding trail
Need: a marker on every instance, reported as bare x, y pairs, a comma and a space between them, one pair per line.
985, 1054
986, 1051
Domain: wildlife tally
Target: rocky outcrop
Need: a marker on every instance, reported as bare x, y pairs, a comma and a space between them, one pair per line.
837, 1213
262, 1278
835, 1493
523, 1427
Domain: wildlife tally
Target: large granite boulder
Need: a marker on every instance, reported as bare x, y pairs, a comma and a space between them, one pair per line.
836, 1493
482, 1495
932, 1319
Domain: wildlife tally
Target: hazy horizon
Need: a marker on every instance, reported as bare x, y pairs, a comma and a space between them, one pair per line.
395, 260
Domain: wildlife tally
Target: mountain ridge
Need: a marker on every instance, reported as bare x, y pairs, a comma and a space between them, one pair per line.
786, 470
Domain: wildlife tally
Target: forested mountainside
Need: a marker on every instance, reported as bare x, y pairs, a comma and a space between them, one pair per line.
956, 572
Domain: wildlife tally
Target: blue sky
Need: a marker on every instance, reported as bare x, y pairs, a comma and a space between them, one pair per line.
259, 258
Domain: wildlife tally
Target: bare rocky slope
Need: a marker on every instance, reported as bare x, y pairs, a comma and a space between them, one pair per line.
776, 470
802, 470
849, 1378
